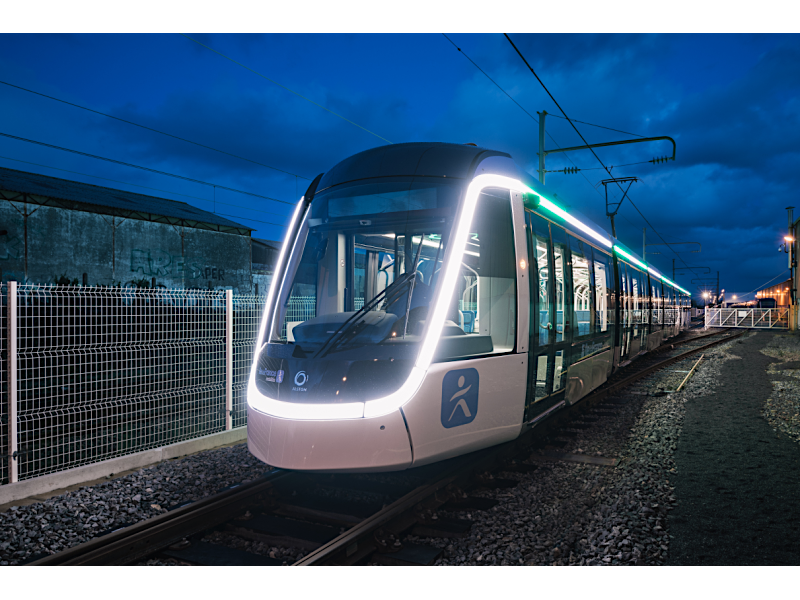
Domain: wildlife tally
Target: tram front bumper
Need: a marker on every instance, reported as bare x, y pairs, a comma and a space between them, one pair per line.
346, 445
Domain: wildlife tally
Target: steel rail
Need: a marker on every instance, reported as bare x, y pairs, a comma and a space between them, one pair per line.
602, 393
671, 345
131, 543
137, 541
357, 543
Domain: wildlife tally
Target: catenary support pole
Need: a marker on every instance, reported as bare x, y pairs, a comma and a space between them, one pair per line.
542, 115
644, 244
13, 460
228, 359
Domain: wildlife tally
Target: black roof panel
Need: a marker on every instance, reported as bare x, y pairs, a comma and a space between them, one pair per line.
432, 159
65, 189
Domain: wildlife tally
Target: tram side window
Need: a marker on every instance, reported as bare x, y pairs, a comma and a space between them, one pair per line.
581, 288
641, 314
624, 295
541, 231
602, 282
562, 282
485, 301
668, 318
656, 303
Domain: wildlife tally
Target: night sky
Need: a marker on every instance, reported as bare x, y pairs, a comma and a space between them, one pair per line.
730, 101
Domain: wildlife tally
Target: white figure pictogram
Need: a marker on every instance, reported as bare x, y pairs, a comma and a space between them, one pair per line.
462, 403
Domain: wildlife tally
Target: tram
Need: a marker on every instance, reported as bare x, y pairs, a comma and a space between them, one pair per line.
432, 299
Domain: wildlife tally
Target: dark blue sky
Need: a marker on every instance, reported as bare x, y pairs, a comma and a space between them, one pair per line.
730, 101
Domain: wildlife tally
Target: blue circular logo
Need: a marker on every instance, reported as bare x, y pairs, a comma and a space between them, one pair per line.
300, 379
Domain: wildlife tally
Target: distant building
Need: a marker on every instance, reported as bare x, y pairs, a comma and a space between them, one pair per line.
780, 292
265, 255
55, 229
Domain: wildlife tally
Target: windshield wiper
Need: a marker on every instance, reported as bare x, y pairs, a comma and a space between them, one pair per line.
397, 285
413, 283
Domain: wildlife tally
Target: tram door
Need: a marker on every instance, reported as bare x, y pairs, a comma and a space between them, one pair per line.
550, 323
625, 313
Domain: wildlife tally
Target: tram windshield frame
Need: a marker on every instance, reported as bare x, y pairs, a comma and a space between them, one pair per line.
374, 246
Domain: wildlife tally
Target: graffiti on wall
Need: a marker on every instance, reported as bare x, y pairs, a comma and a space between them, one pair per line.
155, 263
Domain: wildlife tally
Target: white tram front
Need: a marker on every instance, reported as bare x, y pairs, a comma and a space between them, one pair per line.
405, 325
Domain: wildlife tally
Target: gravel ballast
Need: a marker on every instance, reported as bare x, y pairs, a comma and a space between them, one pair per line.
738, 472
705, 476
75, 517
578, 514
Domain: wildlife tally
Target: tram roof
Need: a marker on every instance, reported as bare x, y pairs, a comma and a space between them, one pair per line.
416, 159
434, 159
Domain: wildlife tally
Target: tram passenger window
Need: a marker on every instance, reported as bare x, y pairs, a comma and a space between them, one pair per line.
581, 289
656, 303
541, 230
602, 282
485, 301
559, 265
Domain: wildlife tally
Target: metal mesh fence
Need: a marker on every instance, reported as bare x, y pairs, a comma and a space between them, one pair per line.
104, 372
247, 311
757, 318
4, 458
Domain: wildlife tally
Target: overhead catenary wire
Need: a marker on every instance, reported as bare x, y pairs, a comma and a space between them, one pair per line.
535, 120
97, 112
147, 187
284, 87
119, 162
520, 106
591, 149
770, 281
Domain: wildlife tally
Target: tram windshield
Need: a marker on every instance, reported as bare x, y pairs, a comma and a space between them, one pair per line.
373, 253
353, 309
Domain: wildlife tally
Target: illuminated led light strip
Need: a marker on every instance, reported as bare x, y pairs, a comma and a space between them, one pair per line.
388, 404
394, 401
270, 296
624, 254
289, 410
557, 210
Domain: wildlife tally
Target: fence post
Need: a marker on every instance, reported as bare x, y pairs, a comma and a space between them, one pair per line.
228, 359
13, 461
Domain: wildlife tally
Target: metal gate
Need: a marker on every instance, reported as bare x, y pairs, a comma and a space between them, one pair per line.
751, 318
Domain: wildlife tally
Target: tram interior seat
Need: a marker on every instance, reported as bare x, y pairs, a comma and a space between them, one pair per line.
584, 323
467, 320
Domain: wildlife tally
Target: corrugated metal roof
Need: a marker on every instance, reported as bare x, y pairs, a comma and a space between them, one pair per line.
74, 191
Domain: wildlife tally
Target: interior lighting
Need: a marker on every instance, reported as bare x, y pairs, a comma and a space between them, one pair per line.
522, 264
453, 259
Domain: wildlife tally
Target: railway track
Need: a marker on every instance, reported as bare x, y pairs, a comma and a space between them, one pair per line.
351, 519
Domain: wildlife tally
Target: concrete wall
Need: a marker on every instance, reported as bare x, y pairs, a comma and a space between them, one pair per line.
113, 251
